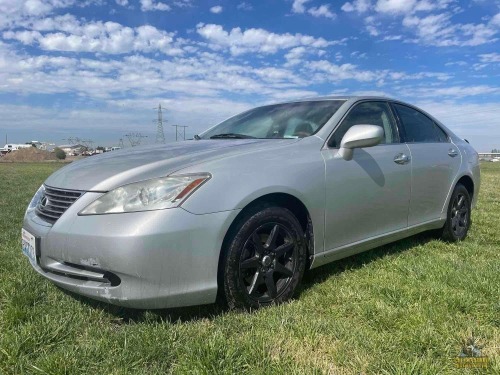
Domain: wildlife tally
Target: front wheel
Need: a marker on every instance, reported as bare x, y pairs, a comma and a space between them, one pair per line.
265, 258
458, 218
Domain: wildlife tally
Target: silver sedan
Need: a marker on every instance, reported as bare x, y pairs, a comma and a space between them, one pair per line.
242, 210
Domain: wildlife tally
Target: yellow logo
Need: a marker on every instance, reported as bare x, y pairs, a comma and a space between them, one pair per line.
470, 356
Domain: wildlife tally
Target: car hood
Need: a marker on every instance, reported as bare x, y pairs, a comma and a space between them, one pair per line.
110, 170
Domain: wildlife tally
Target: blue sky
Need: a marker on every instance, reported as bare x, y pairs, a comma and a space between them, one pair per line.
95, 68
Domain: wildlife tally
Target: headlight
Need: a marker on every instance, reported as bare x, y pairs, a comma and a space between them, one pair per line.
155, 194
36, 198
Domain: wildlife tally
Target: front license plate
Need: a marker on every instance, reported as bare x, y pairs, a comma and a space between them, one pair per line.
29, 245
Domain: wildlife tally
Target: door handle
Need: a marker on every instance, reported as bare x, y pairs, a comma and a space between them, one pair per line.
452, 152
402, 159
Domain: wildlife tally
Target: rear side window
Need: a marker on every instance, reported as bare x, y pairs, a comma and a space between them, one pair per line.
418, 127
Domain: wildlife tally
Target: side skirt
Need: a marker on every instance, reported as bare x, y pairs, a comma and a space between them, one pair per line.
373, 242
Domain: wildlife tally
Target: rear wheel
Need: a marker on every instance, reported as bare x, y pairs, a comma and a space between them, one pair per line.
265, 258
458, 216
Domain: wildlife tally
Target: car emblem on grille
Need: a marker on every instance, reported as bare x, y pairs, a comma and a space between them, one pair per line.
44, 202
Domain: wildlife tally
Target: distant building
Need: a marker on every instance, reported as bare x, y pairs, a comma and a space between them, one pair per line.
46, 146
489, 156
72, 149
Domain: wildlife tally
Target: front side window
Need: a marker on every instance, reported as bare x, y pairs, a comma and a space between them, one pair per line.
418, 127
289, 120
367, 113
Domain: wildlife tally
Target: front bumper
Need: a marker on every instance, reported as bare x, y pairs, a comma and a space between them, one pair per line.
154, 259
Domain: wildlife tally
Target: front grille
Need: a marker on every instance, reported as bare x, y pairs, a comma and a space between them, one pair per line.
55, 202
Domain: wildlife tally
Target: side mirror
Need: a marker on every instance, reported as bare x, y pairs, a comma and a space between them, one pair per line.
359, 136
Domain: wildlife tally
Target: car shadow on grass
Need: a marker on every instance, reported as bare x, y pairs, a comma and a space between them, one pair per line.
122, 315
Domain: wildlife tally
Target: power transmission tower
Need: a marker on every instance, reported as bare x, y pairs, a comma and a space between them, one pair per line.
180, 133
135, 139
160, 136
120, 143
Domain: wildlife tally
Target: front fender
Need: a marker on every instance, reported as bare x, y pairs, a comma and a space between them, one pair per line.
238, 180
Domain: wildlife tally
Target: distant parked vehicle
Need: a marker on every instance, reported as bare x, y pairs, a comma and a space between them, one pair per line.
244, 208
14, 147
114, 148
495, 160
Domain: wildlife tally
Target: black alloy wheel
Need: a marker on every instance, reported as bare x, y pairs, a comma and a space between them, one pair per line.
268, 262
459, 215
265, 260
458, 218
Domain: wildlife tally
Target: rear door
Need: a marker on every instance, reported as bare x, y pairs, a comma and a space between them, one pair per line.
435, 163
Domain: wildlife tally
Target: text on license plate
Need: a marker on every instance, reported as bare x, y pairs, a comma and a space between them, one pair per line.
28, 245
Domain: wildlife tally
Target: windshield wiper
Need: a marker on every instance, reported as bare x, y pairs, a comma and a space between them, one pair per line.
231, 135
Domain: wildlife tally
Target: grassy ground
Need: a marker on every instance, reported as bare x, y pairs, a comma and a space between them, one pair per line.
398, 309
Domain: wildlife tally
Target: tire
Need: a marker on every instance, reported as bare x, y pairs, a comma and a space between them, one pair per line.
458, 217
264, 259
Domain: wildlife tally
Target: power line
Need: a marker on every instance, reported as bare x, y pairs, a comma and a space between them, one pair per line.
135, 139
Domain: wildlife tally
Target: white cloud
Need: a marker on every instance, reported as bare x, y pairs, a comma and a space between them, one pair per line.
321, 11
255, 40
457, 63
14, 11
298, 6
244, 6
216, 9
395, 6
359, 55
206, 75
453, 91
294, 56
392, 37
427, 5
68, 34
493, 57
122, 3
152, 5
439, 30
359, 6
334, 73
371, 26
430, 22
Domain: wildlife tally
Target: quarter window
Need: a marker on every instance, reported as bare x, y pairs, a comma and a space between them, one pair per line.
418, 127
367, 113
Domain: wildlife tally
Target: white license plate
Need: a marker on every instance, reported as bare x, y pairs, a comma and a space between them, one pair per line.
29, 245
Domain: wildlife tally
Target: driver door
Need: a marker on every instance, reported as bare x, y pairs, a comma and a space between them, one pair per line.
369, 195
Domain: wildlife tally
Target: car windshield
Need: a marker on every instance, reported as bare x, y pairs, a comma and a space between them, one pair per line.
289, 120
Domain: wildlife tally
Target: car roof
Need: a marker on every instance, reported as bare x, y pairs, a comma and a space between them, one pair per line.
352, 98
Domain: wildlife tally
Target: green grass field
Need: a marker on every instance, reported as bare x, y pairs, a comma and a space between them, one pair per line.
399, 309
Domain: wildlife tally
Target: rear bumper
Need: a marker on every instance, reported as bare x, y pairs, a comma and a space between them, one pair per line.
155, 259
